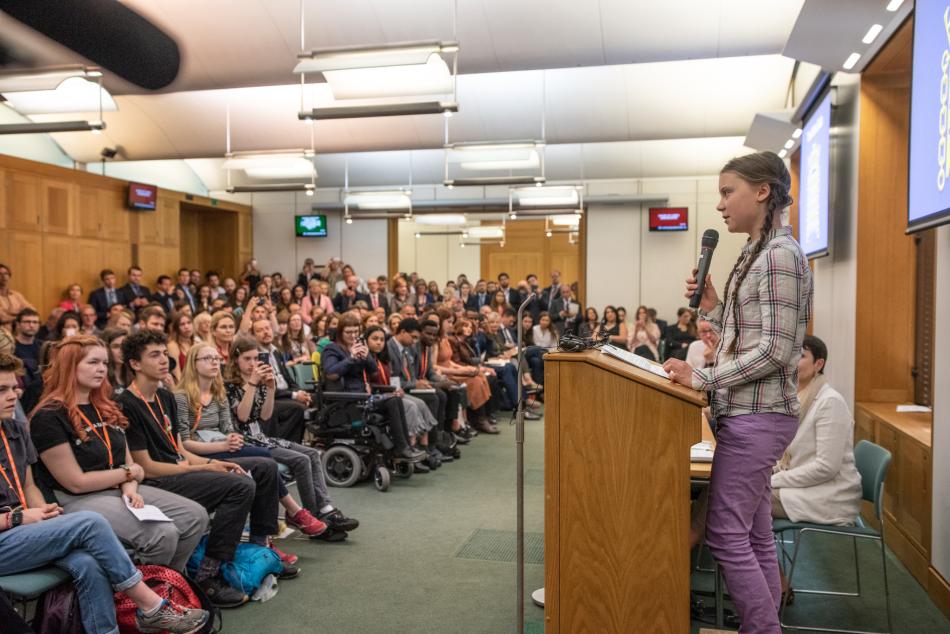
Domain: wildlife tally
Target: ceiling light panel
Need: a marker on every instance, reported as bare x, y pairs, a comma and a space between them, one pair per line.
494, 157
274, 165
379, 200
566, 220
431, 78
546, 196
441, 219
486, 232
418, 53
73, 94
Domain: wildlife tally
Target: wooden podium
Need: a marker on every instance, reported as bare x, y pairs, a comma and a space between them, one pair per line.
616, 496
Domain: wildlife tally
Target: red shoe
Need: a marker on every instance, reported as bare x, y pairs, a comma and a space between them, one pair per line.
306, 523
286, 558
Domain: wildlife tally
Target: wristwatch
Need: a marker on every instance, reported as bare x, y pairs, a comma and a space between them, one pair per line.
16, 518
128, 473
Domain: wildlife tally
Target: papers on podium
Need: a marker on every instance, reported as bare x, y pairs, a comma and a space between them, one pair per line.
635, 360
701, 452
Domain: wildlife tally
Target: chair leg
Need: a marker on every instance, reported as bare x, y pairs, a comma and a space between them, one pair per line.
791, 576
857, 570
887, 593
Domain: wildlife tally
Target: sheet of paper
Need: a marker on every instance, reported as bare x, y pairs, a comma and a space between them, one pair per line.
147, 513
635, 360
914, 408
701, 452
423, 390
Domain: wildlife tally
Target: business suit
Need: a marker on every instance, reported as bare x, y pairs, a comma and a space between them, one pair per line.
188, 297
557, 321
476, 301
381, 300
342, 303
129, 293
100, 300
513, 297
288, 419
167, 301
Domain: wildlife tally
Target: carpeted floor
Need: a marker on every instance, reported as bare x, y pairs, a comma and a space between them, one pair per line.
436, 554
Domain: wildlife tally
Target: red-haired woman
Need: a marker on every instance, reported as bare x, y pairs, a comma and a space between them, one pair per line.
85, 464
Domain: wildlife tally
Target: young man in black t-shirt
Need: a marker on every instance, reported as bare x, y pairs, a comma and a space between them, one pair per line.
28, 345
222, 487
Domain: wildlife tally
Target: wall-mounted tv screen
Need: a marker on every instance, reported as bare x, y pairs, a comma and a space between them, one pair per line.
311, 226
815, 176
669, 218
143, 197
928, 183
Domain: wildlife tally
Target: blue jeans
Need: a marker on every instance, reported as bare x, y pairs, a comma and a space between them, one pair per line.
83, 545
533, 355
508, 375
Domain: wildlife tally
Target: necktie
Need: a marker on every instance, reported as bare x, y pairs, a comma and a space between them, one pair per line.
110, 296
508, 338
406, 364
135, 289
375, 301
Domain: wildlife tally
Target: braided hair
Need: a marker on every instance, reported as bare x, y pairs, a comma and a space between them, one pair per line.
757, 169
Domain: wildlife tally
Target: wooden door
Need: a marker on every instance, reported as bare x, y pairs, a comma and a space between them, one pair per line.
23, 202
528, 250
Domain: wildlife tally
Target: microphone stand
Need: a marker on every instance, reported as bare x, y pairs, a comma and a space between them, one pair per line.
519, 462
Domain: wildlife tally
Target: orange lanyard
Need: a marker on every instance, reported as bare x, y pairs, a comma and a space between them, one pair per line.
197, 417
16, 476
167, 426
104, 436
424, 363
382, 372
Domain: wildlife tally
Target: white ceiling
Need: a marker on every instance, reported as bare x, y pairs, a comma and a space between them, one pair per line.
647, 87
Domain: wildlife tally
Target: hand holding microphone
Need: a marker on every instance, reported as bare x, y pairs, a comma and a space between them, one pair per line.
699, 288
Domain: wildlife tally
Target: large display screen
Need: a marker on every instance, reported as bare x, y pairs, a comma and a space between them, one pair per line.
669, 218
310, 226
928, 191
142, 197
815, 177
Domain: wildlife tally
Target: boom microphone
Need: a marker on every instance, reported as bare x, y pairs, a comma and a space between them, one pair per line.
710, 240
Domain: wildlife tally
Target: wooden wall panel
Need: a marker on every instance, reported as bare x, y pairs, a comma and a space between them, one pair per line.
25, 258
23, 201
886, 257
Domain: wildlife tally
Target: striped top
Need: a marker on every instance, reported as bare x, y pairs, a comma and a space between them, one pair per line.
214, 416
775, 301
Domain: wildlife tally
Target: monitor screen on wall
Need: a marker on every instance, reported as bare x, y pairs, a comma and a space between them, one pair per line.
669, 218
310, 226
928, 183
814, 188
143, 197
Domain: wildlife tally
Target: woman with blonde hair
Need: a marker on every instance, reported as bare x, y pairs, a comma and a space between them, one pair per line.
202, 326
223, 328
645, 335
181, 337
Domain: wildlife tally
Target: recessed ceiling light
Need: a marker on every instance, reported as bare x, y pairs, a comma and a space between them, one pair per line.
783, 154
894, 5
851, 61
872, 33
797, 133
789, 144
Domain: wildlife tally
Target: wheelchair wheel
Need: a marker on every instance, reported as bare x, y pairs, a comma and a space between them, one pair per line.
341, 466
381, 478
403, 469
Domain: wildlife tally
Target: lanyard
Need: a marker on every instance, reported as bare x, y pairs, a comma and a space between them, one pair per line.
167, 426
104, 436
424, 364
16, 476
382, 374
197, 416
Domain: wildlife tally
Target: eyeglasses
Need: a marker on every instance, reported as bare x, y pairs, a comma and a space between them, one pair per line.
210, 359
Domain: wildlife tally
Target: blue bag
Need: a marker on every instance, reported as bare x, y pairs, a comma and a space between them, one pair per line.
251, 564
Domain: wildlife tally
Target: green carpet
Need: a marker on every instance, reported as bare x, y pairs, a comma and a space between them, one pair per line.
433, 554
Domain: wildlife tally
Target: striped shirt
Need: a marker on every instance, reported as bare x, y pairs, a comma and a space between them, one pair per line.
214, 417
775, 299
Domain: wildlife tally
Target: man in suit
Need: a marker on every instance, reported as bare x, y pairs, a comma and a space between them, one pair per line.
346, 298
479, 298
184, 281
104, 297
564, 310
377, 299
290, 401
308, 273
164, 294
133, 294
512, 296
552, 292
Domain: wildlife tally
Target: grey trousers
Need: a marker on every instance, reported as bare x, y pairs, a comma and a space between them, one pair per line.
307, 466
163, 543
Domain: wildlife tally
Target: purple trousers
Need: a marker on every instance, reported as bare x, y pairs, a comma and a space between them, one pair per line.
739, 520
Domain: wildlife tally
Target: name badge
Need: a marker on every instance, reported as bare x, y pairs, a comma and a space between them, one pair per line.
255, 429
395, 382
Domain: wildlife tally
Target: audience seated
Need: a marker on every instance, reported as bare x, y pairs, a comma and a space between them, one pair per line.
645, 335
290, 400
35, 533
134, 294
702, 352
164, 293
11, 301
681, 334
564, 311
73, 300
105, 297
28, 346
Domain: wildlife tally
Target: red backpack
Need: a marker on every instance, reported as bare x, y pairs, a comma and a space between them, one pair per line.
171, 586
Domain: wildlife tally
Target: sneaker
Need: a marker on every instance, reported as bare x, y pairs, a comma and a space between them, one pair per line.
289, 572
331, 535
306, 523
221, 594
529, 415
285, 558
171, 618
336, 520
444, 454
420, 467
460, 437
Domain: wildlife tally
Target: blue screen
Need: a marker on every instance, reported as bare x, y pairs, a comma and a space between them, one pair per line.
928, 198
813, 193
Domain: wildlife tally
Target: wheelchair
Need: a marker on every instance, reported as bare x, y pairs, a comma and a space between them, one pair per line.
352, 436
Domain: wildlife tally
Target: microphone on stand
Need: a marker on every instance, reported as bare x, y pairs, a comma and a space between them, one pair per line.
710, 240
519, 454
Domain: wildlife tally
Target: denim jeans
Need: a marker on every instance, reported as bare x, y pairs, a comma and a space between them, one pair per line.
533, 355
508, 376
83, 545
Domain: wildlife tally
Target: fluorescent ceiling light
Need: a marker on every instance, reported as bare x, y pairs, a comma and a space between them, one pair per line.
379, 110
894, 5
486, 232
39, 79
252, 189
430, 78
797, 133
272, 165
783, 154
789, 144
851, 61
407, 54
566, 220
546, 196
379, 200
73, 94
492, 180
872, 33
441, 219
505, 156
52, 126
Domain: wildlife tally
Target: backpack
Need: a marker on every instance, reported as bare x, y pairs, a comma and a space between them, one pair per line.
172, 586
58, 611
247, 571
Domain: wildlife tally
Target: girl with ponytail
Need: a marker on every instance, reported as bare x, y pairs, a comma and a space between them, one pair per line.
762, 320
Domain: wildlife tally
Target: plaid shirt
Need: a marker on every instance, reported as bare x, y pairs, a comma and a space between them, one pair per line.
761, 373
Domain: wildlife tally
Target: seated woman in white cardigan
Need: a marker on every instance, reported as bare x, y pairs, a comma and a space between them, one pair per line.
816, 480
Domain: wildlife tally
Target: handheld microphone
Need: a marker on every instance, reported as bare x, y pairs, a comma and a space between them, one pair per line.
710, 240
